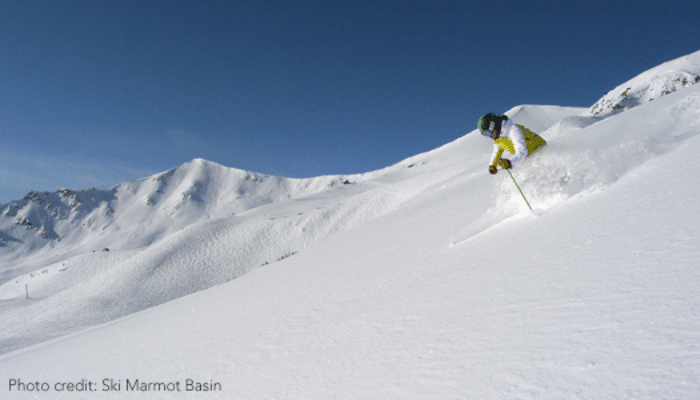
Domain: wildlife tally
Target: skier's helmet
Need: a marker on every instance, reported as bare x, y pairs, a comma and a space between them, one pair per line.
485, 121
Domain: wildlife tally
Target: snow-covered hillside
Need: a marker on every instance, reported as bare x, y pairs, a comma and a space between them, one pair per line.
87, 257
593, 298
651, 85
137, 214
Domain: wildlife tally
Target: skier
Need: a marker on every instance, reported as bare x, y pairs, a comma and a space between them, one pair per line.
507, 136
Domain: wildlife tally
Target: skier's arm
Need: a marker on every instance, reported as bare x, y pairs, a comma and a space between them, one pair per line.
516, 136
496, 154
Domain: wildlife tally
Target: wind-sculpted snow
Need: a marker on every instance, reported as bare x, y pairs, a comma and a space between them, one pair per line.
650, 85
596, 158
586, 155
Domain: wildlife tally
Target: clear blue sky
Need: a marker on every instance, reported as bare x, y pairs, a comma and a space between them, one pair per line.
93, 93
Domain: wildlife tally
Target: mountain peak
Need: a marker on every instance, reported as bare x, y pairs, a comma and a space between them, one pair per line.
656, 82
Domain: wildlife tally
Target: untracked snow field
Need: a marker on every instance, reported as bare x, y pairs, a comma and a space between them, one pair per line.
595, 296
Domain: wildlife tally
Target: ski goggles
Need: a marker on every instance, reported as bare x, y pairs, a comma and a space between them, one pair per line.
488, 131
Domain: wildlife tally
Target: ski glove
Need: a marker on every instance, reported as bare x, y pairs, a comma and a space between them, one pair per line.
492, 169
505, 164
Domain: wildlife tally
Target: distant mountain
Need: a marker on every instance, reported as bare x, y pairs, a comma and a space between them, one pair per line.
136, 214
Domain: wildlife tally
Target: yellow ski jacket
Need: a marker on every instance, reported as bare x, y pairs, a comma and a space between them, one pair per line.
516, 140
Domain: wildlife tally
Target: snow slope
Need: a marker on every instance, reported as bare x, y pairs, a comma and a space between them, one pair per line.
182, 231
595, 298
650, 85
168, 235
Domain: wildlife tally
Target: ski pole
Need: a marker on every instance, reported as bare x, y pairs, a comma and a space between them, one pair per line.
521, 192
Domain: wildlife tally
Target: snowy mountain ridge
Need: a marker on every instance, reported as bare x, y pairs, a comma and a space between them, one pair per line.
651, 84
155, 205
